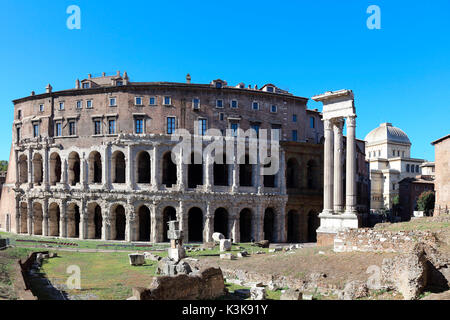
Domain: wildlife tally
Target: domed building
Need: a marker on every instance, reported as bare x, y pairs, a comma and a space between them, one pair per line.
388, 150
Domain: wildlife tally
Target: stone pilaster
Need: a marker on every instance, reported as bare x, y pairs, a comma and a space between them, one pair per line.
208, 172
182, 217
46, 170
130, 168
63, 220
30, 217
155, 172
282, 173
281, 224
18, 216
338, 196
45, 218
30, 168
83, 173
235, 230
181, 172
156, 236
235, 171
208, 224
83, 220
106, 166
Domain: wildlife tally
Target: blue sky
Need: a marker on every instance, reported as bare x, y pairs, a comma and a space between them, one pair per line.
399, 74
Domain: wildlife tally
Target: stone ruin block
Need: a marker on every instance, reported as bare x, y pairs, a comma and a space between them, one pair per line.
258, 293
176, 254
225, 245
217, 236
137, 259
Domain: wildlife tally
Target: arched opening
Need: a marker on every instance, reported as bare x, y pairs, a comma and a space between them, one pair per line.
195, 172
95, 221
293, 227
54, 216
221, 170
143, 167
144, 223
269, 225
118, 167
313, 225
312, 174
95, 167
245, 225
38, 169
246, 173
37, 219
74, 169
292, 171
169, 171
221, 221
55, 169
119, 223
195, 225
23, 169
23, 217
169, 214
73, 221
269, 179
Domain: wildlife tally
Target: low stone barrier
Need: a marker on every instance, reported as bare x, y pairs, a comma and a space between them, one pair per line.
202, 285
372, 240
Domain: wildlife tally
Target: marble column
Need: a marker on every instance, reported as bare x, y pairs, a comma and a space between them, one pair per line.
351, 167
328, 169
338, 154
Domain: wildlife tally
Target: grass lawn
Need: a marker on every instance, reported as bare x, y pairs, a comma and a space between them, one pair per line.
8, 258
104, 276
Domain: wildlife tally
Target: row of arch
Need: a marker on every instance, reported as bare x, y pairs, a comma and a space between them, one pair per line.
293, 175
143, 223
221, 170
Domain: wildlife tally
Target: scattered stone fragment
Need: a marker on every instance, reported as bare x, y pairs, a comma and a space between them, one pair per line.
217, 236
225, 245
227, 256
262, 244
354, 290
258, 293
291, 294
243, 293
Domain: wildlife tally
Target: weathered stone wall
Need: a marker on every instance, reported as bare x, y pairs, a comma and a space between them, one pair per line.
442, 182
372, 240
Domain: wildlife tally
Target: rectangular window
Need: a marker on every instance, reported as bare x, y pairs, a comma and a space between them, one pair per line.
170, 125
86, 85
61, 106
97, 127
72, 128
79, 104
196, 103
35, 130
18, 133
274, 109
119, 83
312, 122
202, 127
152, 101
221, 116
19, 114
58, 129
112, 102
219, 103
139, 125
294, 135
112, 126
234, 129
407, 168
294, 118
255, 106
167, 101
234, 104
89, 104
41, 108
138, 101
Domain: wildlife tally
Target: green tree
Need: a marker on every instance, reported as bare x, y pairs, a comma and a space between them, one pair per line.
3, 165
426, 201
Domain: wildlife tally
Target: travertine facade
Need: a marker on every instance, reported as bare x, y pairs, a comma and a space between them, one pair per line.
95, 162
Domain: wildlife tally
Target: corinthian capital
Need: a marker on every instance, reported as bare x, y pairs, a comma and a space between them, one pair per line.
351, 121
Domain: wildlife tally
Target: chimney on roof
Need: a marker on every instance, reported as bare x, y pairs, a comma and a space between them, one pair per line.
49, 88
188, 78
125, 75
77, 84
89, 76
249, 86
103, 74
118, 73
32, 93
256, 87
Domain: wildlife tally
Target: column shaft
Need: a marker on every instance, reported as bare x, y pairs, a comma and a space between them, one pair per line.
328, 169
351, 166
338, 197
